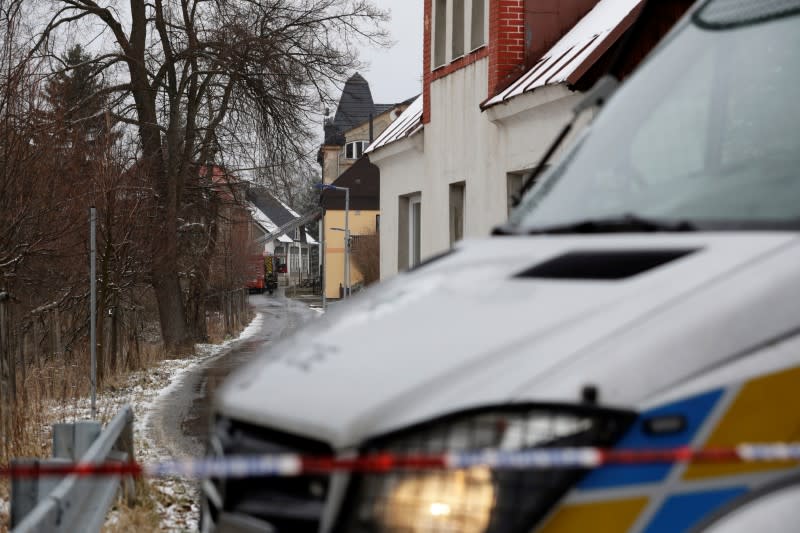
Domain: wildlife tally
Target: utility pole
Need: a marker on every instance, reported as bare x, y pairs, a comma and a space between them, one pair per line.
93, 305
346, 242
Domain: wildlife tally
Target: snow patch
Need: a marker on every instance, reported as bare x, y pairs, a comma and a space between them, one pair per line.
177, 499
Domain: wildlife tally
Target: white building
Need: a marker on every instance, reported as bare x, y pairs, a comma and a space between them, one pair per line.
451, 163
282, 233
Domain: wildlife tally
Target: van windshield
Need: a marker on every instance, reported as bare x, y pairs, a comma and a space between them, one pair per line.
707, 133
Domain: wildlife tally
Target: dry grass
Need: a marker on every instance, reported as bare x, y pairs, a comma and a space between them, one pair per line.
55, 384
143, 516
215, 326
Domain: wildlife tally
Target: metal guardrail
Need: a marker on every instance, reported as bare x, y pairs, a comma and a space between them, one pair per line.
74, 503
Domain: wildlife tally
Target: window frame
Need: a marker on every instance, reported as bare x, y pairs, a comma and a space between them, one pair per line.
457, 210
414, 231
355, 149
443, 49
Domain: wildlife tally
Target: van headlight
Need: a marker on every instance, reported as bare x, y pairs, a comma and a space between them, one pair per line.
476, 500
458, 502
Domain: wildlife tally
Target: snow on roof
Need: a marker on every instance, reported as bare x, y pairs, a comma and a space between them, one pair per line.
270, 227
406, 125
264, 221
567, 57
292, 211
261, 219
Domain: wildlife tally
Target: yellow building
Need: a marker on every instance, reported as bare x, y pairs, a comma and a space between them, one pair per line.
357, 122
362, 223
363, 218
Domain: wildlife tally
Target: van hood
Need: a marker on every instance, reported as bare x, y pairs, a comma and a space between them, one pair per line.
473, 329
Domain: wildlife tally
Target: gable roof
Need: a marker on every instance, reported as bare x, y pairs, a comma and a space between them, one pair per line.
276, 217
407, 124
269, 227
576, 51
275, 210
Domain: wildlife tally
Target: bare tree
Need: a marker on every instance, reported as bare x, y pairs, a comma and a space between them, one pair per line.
192, 75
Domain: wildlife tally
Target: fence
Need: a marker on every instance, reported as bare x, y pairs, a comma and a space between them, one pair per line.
232, 307
74, 502
43, 351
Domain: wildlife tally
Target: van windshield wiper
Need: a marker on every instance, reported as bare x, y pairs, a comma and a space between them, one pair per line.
628, 223
595, 97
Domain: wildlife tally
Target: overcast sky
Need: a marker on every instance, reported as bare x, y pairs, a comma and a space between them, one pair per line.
395, 74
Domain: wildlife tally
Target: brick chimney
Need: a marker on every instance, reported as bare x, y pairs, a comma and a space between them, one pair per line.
520, 32
506, 42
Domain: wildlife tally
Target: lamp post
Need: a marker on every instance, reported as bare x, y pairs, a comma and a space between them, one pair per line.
346, 230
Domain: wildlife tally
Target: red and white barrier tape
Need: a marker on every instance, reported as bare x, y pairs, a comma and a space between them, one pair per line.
287, 465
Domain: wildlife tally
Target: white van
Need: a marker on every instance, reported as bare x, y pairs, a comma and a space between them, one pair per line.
645, 295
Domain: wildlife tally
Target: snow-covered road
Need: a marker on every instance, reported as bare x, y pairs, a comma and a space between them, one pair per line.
175, 422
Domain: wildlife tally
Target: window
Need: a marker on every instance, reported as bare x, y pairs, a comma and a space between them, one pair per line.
355, 149
478, 30
456, 212
439, 33
409, 225
415, 231
458, 29
459, 26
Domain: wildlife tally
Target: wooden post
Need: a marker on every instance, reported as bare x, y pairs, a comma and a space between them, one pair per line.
228, 312
124, 445
238, 306
112, 343
22, 365
34, 344
6, 364
242, 316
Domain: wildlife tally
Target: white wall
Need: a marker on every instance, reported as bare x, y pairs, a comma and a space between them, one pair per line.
462, 143
402, 168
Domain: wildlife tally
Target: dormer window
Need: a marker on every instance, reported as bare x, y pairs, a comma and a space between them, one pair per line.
459, 27
355, 149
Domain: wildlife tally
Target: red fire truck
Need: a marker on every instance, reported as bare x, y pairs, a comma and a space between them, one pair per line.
256, 273
261, 274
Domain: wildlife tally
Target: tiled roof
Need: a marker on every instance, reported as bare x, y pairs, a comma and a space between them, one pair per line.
408, 123
574, 53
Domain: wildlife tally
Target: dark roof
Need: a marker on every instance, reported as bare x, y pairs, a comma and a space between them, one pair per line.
355, 104
269, 205
382, 108
363, 180
355, 108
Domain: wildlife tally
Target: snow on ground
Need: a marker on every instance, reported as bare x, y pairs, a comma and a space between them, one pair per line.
176, 498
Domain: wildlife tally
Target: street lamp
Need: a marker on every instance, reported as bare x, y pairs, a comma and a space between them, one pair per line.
346, 230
